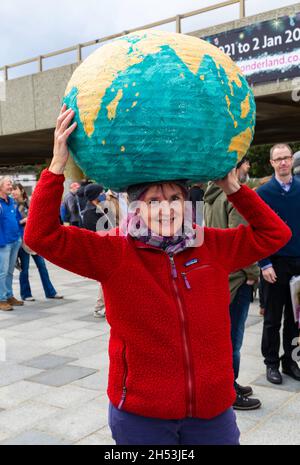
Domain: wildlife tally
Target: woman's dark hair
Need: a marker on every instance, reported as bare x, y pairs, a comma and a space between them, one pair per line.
18, 185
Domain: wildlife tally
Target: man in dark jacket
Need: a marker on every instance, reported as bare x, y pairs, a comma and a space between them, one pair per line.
282, 194
220, 213
71, 205
10, 242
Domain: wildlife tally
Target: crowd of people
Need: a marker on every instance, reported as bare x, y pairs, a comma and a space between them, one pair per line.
87, 206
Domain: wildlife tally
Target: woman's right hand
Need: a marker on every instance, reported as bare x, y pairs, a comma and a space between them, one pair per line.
61, 134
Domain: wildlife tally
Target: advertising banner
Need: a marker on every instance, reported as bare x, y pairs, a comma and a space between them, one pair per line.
265, 51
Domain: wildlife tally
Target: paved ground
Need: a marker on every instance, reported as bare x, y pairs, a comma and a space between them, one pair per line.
53, 382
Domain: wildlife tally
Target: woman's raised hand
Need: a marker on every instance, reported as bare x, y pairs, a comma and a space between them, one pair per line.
230, 183
62, 131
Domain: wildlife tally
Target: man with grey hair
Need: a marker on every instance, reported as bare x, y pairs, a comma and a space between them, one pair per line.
10, 242
296, 165
72, 206
282, 194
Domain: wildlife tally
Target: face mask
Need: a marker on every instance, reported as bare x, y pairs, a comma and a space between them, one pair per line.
102, 197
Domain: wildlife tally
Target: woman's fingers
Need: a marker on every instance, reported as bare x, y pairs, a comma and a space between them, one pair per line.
70, 129
63, 109
62, 117
65, 122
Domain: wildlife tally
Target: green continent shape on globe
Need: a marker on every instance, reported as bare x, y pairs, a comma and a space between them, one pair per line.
160, 115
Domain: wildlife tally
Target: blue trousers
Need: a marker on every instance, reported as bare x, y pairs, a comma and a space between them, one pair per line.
239, 310
8, 258
130, 429
24, 275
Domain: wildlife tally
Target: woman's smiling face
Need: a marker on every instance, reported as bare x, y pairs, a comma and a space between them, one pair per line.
162, 208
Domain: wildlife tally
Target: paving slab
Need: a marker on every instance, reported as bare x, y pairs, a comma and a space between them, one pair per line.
48, 361
288, 384
8, 323
90, 318
25, 416
97, 361
62, 375
11, 373
19, 392
98, 381
34, 438
25, 315
76, 423
276, 430
58, 343
67, 396
20, 350
253, 320
101, 437
83, 349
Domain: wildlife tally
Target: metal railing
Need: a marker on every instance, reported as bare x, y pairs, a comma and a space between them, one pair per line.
78, 48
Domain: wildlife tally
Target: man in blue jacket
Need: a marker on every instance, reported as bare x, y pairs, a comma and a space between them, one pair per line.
282, 194
10, 242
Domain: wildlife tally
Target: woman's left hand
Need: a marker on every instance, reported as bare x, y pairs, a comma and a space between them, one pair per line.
230, 183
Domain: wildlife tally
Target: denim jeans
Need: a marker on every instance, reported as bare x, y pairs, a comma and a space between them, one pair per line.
239, 310
8, 258
24, 276
131, 429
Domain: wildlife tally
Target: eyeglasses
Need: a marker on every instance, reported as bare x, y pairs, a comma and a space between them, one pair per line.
279, 160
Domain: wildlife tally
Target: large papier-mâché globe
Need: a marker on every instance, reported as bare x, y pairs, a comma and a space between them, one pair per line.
155, 105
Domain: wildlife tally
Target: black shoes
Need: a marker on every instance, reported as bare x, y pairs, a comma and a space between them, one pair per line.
291, 369
245, 403
288, 368
274, 375
242, 401
244, 391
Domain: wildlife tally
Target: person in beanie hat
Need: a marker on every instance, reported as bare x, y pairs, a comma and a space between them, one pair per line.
167, 301
296, 165
90, 215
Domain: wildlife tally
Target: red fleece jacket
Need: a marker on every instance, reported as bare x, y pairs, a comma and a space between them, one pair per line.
170, 345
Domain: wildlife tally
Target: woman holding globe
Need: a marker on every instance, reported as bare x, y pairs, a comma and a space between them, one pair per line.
167, 298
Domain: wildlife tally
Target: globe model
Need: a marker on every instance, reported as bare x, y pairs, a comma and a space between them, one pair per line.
154, 106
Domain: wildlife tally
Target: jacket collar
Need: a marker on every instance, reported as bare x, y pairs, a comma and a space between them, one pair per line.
277, 184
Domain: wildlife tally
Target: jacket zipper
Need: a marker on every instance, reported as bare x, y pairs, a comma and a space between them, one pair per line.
185, 278
124, 388
185, 339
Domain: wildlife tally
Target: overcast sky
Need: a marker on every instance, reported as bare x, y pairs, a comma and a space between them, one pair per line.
33, 27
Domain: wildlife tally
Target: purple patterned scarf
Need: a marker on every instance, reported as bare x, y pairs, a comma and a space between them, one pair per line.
136, 228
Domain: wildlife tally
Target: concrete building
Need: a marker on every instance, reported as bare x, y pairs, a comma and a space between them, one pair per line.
31, 105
